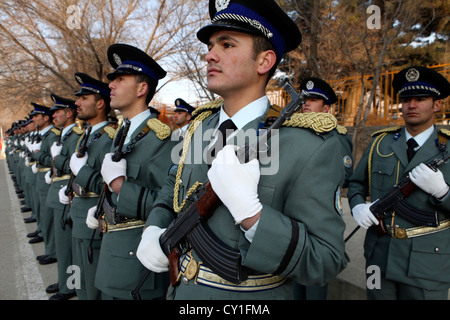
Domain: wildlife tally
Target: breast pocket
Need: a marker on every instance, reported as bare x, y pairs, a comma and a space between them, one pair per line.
383, 177
133, 170
266, 193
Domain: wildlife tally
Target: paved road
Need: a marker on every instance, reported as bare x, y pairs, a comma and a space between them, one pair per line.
21, 277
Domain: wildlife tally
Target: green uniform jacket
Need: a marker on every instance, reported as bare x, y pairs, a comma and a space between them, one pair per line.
44, 158
300, 232
347, 152
61, 164
91, 180
422, 261
119, 270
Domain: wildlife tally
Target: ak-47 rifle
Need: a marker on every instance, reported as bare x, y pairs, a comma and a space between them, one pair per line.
38, 137
55, 172
69, 190
191, 227
116, 157
395, 200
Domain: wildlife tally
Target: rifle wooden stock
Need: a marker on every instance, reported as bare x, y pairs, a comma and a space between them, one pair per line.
208, 202
174, 266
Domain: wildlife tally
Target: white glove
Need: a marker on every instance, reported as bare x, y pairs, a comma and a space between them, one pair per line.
91, 221
363, 216
62, 195
34, 168
48, 179
149, 251
430, 181
112, 170
77, 163
55, 150
36, 146
236, 184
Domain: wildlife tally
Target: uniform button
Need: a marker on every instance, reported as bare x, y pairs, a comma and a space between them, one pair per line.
185, 280
131, 253
436, 250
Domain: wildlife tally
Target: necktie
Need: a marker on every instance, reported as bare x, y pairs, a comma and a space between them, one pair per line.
226, 128
410, 151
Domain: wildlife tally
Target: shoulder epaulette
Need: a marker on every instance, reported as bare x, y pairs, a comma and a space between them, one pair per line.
341, 130
317, 121
387, 130
161, 129
110, 131
445, 132
213, 106
77, 130
56, 131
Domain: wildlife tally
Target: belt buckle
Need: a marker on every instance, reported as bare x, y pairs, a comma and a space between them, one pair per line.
191, 269
399, 233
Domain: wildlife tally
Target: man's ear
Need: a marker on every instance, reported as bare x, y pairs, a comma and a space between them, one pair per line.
266, 60
142, 89
100, 104
437, 106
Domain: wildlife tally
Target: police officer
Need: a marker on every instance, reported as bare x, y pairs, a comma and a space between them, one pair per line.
41, 154
320, 99
182, 117
273, 220
64, 115
411, 256
136, 179
93, 105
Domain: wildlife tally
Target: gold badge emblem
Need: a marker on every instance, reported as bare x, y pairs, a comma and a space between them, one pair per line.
191, 269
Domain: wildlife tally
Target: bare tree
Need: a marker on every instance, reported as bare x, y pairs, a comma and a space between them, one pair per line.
44, 42
366, 44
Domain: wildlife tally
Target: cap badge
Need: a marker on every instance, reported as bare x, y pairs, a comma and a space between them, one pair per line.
117, 59
309, 85
222, 4
412, 75
78, 79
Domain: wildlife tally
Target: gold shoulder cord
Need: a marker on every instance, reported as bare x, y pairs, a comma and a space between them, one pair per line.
187, 140
377, 144
319, 122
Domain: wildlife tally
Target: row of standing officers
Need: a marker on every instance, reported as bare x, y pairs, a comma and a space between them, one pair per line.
104, 196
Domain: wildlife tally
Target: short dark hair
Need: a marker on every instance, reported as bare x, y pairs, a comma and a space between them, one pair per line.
151, 86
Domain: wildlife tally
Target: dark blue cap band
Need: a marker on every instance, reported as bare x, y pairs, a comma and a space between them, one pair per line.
95, 89
237, 12
320, 93
138, 67
419, 86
